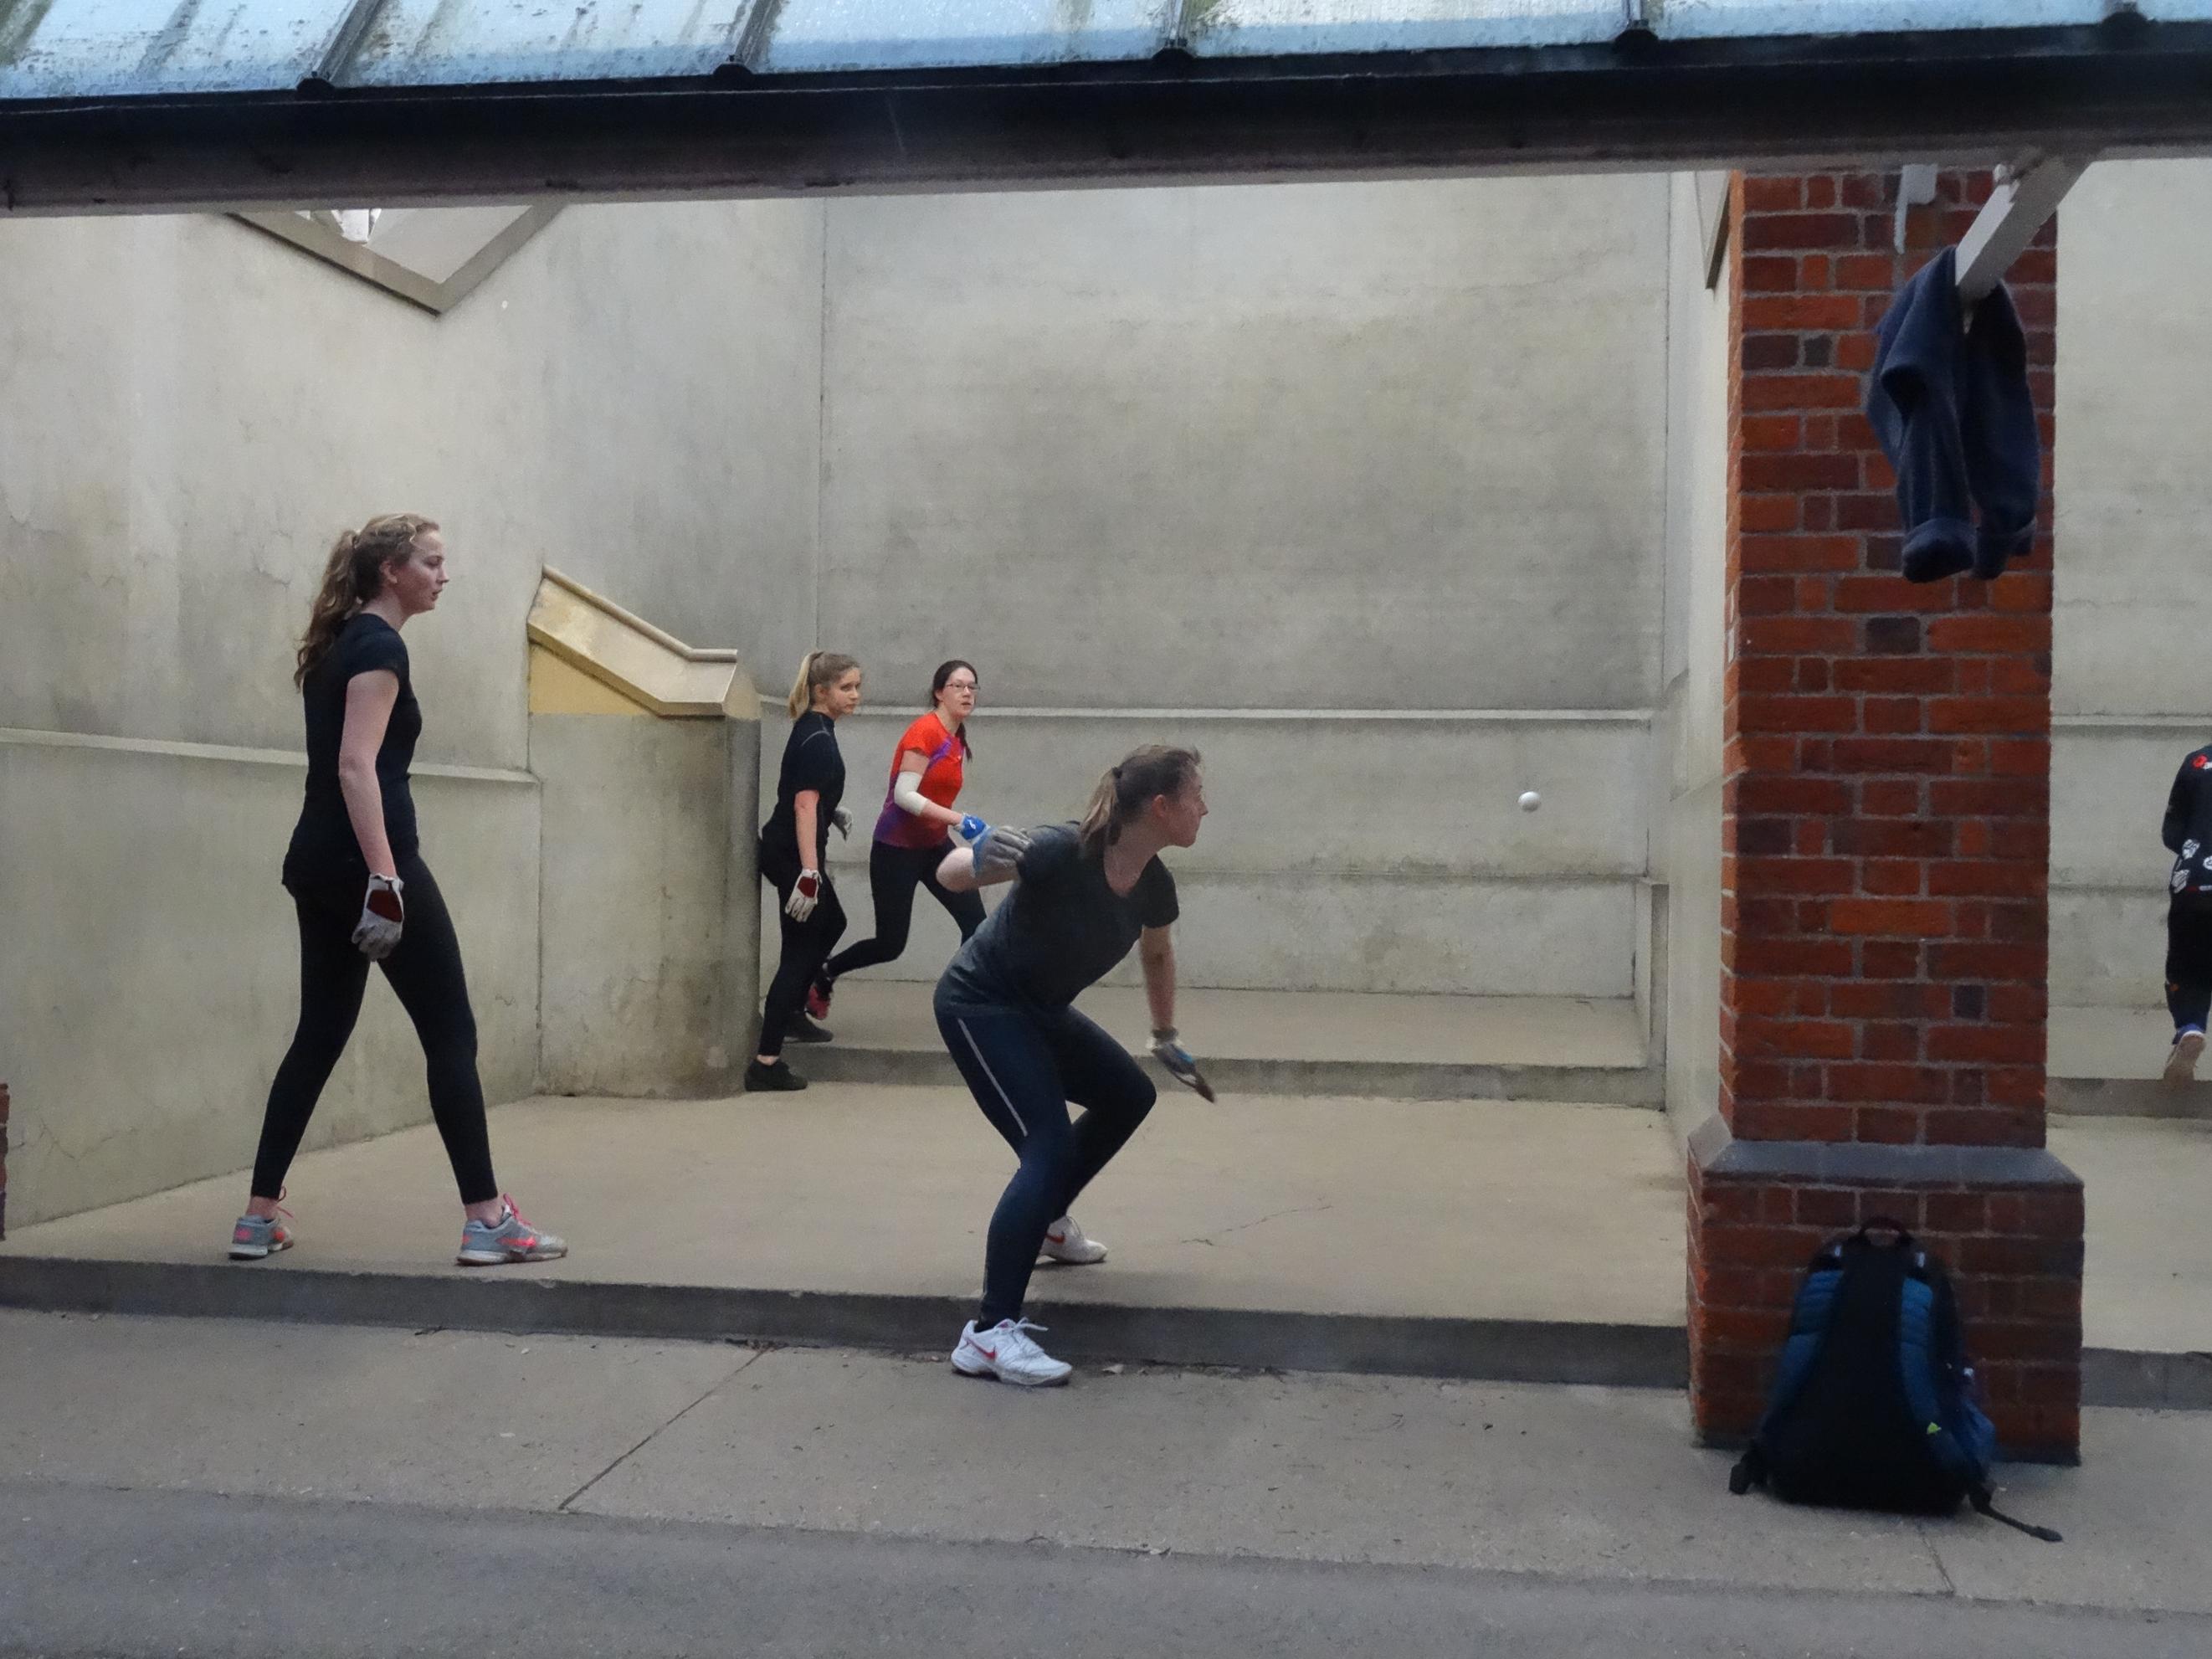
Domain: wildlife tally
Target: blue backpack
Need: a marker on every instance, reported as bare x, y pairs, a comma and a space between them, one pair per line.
1873, 1403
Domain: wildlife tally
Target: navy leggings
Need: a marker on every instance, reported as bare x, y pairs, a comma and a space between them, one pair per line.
425, 973
1025, 1069
2189, 959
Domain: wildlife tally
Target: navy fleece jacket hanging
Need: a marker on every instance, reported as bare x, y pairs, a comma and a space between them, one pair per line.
1952, 408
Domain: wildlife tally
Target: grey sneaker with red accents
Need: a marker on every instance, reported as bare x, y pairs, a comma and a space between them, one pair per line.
257, 1236
494, 1244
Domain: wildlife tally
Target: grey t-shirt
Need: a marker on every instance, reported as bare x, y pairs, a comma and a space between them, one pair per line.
1061, 930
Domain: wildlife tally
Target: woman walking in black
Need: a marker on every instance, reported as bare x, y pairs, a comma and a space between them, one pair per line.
794, 846
363, 893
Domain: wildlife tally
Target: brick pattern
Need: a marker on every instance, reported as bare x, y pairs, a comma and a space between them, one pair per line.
2016, 1258
1885, 865
1885, 828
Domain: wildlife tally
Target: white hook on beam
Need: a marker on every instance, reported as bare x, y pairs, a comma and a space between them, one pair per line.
2021, 205
1915, 187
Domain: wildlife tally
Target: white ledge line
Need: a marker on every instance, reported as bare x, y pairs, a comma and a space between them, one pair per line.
1419, 875
2199, 724
1429, 716
226, 754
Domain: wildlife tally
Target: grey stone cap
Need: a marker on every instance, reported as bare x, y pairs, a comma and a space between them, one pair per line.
1866, 1163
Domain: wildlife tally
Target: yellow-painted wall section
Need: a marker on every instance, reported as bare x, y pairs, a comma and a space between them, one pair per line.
560, 688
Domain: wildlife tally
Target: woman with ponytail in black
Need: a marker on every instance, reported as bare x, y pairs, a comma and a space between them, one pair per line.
1084, 894
794, 856
363, 893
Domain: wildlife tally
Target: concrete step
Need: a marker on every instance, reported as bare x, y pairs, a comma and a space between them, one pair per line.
1595, 1085
2127, 1097
1612, 1355
1494, 1350
1300, 1043
2104, 1062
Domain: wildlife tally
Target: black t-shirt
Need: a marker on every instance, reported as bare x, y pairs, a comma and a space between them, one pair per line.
2187, 830
1061, 930
810, 761
324, 846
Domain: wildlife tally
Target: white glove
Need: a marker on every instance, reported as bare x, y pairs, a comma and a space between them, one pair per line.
1167, 1049
806, 893
383, 914
843, 820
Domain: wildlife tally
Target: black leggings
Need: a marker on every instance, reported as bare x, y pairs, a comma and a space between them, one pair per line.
1024, 1069
2189, 959
806, 946
893, 874
425, 973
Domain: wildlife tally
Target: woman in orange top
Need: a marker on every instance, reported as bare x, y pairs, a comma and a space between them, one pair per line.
911, 832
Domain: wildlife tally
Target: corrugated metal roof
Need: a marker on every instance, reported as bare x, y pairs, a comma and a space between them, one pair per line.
818, 35
74, 49
438, 43
106, 48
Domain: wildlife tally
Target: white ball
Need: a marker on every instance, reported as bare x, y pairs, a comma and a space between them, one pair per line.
1531, 801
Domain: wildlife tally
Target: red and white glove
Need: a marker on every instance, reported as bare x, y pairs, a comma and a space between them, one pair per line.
806, 893
383, 914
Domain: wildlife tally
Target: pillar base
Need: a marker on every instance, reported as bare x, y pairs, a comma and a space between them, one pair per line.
2006, 1221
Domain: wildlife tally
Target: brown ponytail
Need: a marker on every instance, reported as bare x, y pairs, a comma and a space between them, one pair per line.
352, 577
1127, 789
815, 669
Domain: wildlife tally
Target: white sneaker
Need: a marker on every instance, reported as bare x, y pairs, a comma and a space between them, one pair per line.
2181, 1058
1005, 1352
1064, 1241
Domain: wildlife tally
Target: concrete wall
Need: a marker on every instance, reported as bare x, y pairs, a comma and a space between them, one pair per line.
1685, 849
637, 996
189, 409
1359, 488
149, 977
2132, 678
1300, 880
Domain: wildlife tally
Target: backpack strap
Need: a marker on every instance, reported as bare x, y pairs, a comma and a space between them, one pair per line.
1750, 1470
1981, 1497
1799, 1349
1793, 1366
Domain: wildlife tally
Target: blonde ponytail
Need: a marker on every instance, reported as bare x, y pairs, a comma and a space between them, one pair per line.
815, 669
352, 576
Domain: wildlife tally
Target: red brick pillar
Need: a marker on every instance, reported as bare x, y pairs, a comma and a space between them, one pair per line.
1886, 838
